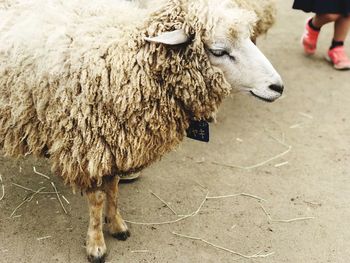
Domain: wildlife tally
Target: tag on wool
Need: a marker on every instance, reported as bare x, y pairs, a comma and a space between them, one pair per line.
198, 130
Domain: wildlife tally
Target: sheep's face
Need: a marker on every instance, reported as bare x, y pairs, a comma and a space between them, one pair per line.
229, 48
245, 67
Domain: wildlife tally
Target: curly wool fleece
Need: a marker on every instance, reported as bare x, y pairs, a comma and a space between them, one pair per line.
78, 81
265, 10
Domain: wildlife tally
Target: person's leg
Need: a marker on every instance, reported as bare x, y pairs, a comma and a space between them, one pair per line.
336, 53
320, 20
312, 30
341, 28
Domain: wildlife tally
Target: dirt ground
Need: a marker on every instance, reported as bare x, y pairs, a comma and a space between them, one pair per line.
305, 135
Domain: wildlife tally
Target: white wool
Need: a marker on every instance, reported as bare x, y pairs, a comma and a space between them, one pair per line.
51, 38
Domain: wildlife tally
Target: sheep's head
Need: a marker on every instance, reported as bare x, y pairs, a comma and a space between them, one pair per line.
224, 33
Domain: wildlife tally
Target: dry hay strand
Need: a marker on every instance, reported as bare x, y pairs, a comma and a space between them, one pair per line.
284, 220
306, 115
281, 164
289, 148
172, 210
234, 195
2, 189
201, 185
182, 217
65, 199
294, 126
256, 255
31, 190
58, 197
42, 238
41, 174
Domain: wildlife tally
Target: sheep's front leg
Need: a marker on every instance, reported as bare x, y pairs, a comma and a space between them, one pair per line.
115, 223
95, 243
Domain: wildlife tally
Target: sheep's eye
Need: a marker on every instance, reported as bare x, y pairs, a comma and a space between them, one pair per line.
218, 52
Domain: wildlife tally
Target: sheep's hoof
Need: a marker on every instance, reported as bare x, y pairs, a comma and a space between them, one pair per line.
96, 251
121, 235
94, 259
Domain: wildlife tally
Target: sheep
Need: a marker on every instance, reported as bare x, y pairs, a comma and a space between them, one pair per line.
105, 88
265, 11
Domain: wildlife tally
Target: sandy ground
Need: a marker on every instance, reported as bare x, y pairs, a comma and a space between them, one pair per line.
309, 127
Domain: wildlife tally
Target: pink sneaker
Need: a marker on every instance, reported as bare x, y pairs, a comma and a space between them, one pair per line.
338, 58
309, 39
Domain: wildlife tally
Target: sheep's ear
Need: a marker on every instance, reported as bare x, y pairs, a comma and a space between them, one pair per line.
175, 37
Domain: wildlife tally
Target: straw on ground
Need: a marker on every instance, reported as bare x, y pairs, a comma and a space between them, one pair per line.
182, 217
283, 220
31, 190
41, 174
172, 210
58, 197
2, 189
42, 238
256, 255
289, 148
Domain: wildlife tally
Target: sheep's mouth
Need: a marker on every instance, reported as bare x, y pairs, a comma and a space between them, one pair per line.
262, 98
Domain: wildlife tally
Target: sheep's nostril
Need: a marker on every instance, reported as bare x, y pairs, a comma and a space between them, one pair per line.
278, 88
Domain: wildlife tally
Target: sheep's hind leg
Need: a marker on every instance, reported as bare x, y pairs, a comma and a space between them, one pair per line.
95, 243
115, 223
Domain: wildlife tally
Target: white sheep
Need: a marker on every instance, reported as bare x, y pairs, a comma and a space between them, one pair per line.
106, 88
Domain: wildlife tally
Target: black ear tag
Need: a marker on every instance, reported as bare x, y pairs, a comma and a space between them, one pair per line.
198, 130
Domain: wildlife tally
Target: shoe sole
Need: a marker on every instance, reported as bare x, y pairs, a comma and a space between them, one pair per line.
335, 66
